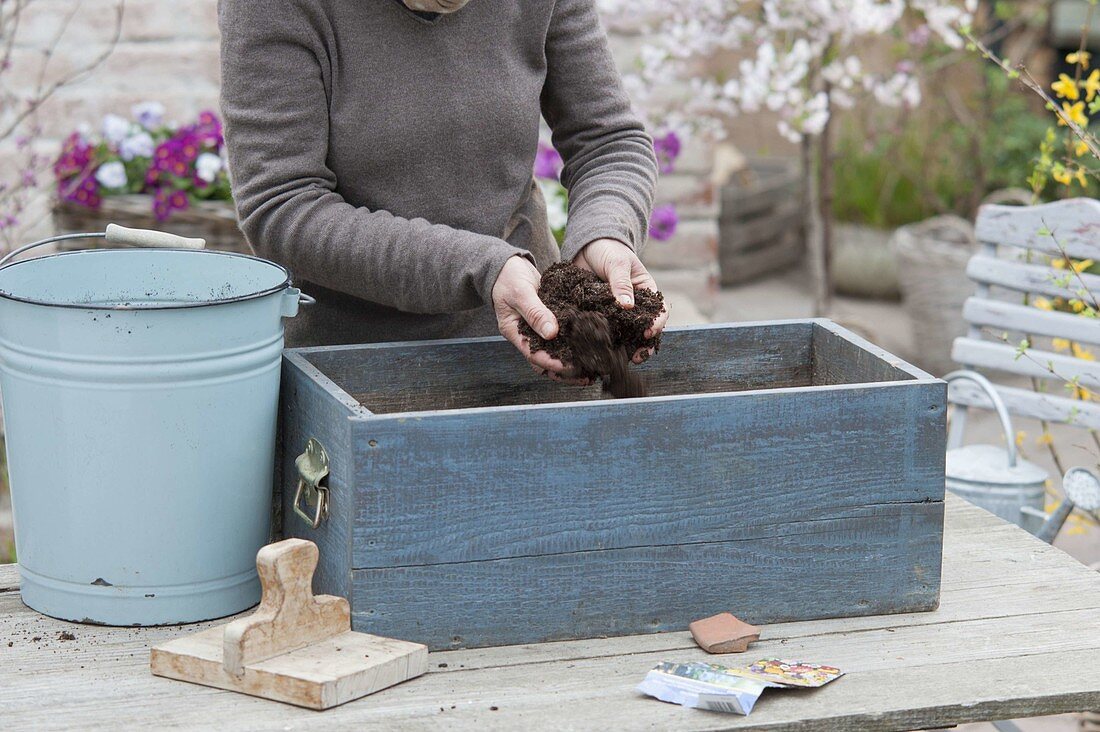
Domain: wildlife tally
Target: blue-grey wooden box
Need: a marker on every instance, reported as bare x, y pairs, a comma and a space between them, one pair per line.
781, 471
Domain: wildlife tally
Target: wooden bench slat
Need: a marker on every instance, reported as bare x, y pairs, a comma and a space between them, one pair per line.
1033, 321
1022, 402
1002, 357
1022, 277
1075, 224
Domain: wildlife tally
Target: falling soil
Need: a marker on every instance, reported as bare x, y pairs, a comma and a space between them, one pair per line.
597, 336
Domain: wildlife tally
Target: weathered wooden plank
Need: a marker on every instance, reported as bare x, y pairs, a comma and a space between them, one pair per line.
1033, 278
1075, 224
987, 660
1003, 357
562, 493
308, 408
884, 561
454, 374
739, 266
1024, 319
842, 357
749, 233
1048, 406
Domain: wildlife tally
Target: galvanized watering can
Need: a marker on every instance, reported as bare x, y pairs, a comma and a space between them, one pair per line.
140, 390
997, 478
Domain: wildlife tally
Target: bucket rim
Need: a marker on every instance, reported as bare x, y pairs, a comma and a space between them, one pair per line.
286, 283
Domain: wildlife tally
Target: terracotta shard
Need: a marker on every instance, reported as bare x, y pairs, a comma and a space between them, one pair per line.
723, 633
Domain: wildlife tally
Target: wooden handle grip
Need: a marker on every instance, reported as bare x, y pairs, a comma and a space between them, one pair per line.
150, 238
289, 616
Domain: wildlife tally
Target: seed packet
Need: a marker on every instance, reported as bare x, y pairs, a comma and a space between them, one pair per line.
778, 672
702, 686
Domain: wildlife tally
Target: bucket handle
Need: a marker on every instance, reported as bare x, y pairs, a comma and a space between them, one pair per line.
998, 405
118, 235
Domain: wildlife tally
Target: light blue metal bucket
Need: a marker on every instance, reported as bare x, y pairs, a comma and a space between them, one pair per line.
140, 389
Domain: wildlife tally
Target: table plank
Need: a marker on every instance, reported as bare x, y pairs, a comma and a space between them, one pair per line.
1011, 610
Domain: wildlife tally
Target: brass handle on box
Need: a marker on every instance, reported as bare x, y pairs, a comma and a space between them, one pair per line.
313, 467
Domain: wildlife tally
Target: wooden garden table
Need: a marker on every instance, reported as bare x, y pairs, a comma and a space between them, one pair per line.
1017, 634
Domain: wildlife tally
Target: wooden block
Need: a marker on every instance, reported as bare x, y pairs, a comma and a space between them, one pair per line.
296, 648
723, 633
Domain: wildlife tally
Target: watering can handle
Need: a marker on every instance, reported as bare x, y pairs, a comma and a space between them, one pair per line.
118, 235
998, 406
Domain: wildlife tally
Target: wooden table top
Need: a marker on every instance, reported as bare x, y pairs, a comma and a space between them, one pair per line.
1017, 634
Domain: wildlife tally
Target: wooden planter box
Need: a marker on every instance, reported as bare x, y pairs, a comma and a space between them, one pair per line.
782, 471
760, 223
215, 221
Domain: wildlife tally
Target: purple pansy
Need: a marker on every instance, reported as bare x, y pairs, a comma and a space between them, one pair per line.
548, 162
663, 222
667, 147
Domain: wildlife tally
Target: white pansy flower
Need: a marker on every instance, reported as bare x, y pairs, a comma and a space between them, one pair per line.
138, 145
115, 128
207, 166
148, 114
111, 175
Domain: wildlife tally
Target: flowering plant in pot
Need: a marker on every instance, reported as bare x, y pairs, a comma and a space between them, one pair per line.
142, 172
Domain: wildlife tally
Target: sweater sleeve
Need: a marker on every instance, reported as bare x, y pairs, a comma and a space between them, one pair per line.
610, 168
275, 104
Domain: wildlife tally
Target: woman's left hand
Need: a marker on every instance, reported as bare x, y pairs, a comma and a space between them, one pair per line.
616, 264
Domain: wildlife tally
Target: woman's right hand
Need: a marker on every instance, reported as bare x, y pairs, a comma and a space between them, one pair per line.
516, 299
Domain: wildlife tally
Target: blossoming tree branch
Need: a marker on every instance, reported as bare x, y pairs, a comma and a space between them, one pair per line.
801, 61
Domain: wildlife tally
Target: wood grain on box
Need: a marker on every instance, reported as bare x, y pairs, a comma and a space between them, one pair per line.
781, 470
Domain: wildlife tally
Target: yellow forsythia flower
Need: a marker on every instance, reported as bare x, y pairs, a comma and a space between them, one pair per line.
1077, 305
1084, 394
1020, 437
1079, 57
1081, 147
1082, 265
1082, 353
1081, 176
1066, 88
1044, 439
1042, 303
1062, 175
1076, 113
1092, 84
1060, 344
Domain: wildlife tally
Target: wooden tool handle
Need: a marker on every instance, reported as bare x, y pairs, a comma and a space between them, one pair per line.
289, 616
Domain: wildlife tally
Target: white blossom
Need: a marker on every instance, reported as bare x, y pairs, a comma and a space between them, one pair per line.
111, 175
148, 114
207, 166
138, 145
781, 44
115, 128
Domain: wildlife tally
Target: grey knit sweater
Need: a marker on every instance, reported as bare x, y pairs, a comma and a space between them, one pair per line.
386, 158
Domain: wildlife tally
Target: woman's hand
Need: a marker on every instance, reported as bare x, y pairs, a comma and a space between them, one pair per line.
616, 264
516, 298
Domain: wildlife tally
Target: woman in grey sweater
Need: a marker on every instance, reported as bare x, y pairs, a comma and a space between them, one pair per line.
383, 150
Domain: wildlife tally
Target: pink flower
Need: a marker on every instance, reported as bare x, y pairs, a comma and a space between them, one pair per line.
667, 148
548, 162
663, 223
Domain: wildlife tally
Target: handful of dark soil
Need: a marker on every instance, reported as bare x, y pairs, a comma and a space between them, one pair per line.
596, 335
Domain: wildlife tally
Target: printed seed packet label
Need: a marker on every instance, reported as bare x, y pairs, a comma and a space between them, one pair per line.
781, 672
701, 686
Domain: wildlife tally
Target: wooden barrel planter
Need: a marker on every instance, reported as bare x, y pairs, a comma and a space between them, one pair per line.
760, 224
215, 221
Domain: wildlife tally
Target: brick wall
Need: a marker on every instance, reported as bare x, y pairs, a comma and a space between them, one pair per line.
168, 52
